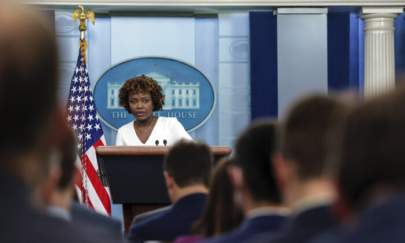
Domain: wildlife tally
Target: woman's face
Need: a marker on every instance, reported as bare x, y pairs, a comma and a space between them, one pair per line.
141, 106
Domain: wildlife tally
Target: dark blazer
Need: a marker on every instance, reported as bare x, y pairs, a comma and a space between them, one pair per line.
108, 226
21, 223
381, 223
141, 217
250, 228
302, 227
169, 224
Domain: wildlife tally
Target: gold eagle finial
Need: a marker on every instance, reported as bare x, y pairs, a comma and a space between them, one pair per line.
82, 15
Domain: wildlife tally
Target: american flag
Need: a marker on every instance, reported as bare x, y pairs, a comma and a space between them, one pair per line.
82, 117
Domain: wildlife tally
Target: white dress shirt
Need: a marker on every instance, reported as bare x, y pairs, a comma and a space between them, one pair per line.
166, 128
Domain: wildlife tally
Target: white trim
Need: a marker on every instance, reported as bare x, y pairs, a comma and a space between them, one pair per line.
280, 11
382, 10
217, 3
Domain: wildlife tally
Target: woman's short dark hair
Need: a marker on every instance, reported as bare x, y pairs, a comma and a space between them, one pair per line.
142, 84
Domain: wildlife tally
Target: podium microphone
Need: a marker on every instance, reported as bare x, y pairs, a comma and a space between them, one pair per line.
164, 142
157, 142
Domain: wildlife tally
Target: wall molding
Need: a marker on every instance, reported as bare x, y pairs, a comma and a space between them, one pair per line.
216, 3
280, 11
382, 10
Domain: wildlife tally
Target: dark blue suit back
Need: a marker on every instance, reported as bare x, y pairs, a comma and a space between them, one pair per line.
107, 226
384, 223
20, 222
250, 228
168, 225
304, 226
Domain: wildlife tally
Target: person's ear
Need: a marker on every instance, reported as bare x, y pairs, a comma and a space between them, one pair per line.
58, 127
282, 170
50, 185
236, 176
168, 180
76, 177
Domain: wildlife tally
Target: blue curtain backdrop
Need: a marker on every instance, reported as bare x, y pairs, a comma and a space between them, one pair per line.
400, 46
344, 45
345, 55
263, 64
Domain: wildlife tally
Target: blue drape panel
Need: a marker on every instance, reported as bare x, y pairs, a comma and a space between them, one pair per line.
400, 47
263, 64
343, 51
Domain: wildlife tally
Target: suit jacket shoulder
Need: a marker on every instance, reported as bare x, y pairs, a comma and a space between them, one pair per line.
168, 225
306, 225
20, 222
382, 222
252, 227
109, 226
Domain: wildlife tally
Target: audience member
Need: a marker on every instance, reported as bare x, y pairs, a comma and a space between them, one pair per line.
28, 88
221, 215
104, 227
142, 216
301, 164
60, 198
186, 172
255, 185
371, 171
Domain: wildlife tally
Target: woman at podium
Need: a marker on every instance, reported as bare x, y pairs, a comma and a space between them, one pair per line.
141, 96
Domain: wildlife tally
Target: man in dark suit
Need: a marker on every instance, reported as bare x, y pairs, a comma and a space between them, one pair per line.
59, 199
28, 89
301, 166
371, 172
105, 226
141, 217
186, 171
255, 184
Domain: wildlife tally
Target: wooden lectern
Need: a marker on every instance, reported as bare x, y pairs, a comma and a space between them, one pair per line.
135, 176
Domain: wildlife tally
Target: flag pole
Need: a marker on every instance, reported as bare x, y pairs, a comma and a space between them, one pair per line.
83, 15
82, 114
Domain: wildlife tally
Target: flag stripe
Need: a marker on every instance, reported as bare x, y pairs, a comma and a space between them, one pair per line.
100, 189
96, 182
102, 140
98, 143
91, 155
93, 199
91, 206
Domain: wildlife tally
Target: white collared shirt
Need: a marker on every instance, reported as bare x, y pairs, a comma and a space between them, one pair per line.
267, 210
166, 128
59, 213
313, 201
